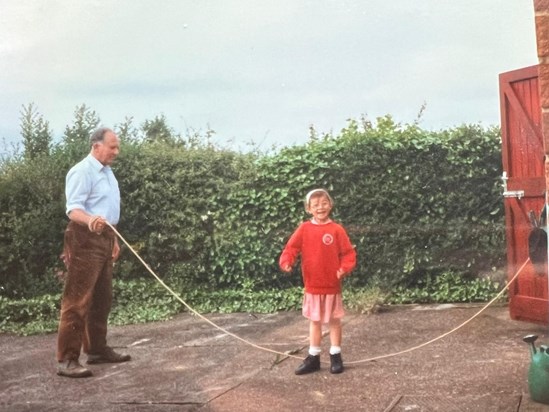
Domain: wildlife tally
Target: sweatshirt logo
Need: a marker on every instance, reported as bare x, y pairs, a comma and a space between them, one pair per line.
327, 239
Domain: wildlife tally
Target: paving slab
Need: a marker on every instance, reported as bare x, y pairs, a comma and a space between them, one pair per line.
185, 364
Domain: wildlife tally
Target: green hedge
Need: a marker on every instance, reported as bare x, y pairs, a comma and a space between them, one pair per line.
416, 203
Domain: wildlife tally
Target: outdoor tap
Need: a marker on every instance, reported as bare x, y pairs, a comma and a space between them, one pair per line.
510, 193
504, 179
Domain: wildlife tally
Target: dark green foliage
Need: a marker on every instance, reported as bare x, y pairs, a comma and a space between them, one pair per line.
416, 204
32, 204
32, 221
76, 143
157, 130
30, 316
260, 216
171, 197
138, 301
36, 133
448, 287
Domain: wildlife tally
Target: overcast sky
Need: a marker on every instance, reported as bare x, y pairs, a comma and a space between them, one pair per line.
260, 70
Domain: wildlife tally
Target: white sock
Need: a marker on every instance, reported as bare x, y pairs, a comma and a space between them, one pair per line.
314, 350
334, 350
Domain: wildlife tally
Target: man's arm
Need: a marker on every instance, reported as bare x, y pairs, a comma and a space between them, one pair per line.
80, 216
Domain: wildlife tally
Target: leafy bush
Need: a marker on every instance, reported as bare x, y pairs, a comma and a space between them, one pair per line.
31, 223
30, 316
416, 204
448, 287
426, 202
145, 300
172, 194
139, 301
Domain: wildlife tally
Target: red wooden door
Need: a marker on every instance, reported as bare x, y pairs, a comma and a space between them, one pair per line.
523, 158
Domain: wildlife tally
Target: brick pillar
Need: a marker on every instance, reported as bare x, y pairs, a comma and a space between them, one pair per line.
541, 8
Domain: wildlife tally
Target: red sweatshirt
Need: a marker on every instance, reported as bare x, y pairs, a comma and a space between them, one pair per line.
324, 249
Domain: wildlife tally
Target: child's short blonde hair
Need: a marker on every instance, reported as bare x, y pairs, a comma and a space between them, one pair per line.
317, 193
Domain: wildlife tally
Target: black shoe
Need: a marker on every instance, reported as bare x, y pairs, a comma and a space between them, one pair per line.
72, 369
107, 356
336, 363
310, 364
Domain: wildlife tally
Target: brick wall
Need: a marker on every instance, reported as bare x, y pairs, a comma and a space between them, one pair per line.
541, 9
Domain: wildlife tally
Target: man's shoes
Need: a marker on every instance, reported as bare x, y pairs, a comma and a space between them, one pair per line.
336, 363
107, 356
310, 364
72, 369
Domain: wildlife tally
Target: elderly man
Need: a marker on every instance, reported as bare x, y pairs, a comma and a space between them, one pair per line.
90, 249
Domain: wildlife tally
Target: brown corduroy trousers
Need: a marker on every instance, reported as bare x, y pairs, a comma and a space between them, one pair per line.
87, 295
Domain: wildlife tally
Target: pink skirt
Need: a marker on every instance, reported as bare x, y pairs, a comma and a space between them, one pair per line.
323, 307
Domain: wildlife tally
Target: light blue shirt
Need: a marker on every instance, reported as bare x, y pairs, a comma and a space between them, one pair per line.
92, 187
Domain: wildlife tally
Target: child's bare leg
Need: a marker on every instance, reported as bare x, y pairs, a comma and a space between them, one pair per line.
312, 362
335, 332
315, 333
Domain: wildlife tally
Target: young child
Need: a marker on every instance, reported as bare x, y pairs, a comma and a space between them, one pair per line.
327, 255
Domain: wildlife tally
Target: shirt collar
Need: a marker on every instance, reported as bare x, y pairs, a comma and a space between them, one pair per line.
314, 222
96, 164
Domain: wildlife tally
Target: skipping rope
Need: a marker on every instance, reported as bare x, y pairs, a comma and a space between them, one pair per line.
290, 353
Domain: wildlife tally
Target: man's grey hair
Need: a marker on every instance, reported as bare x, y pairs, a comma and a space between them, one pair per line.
99, 135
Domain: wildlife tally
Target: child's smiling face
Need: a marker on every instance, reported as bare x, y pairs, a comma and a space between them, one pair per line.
320, 207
